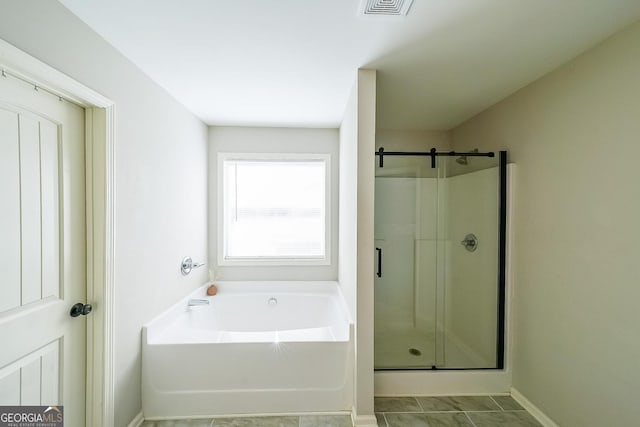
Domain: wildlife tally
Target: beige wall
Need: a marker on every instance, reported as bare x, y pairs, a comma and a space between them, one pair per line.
161, 169
412, 140
575, 136
348, 202
355, 270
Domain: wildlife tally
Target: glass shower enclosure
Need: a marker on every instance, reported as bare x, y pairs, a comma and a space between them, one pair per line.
440, 260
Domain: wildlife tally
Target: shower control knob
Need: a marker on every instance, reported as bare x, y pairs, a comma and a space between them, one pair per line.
470, 242
80, 309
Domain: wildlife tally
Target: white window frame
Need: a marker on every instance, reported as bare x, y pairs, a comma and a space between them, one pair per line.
279, 261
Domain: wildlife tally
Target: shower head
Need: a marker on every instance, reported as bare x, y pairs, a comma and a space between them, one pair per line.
462, 160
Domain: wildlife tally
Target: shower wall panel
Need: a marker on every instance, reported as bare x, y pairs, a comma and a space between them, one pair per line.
395, 229
426, 275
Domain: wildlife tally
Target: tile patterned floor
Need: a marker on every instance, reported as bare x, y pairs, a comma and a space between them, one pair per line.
292, 421
456, 411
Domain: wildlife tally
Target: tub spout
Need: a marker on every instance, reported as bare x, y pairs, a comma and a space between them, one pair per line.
194, 302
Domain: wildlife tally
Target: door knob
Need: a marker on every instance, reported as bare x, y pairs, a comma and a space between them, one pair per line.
79, 309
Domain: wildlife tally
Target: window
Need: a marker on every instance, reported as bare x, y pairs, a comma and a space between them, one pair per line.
273, 209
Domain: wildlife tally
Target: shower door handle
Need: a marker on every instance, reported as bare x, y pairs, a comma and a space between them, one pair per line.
379, 272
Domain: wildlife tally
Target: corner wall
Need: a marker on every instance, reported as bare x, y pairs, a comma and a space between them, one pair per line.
574, 136
160, 177
348, 203
357, 145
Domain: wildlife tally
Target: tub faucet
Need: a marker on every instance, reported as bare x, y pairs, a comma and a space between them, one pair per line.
194, 302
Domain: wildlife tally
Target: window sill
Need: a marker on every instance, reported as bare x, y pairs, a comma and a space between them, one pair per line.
276, 262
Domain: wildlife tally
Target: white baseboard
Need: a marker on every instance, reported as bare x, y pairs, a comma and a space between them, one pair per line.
363, 420
137, 421
532, 409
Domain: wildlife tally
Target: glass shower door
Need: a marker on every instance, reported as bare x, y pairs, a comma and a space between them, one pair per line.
438, 288
405, 240
469, 252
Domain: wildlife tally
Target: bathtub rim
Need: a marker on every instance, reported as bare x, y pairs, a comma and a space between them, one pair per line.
329, 288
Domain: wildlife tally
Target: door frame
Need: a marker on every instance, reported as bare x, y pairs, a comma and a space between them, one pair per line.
100, 219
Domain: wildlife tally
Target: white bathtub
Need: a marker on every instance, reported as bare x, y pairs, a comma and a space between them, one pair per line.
258, 348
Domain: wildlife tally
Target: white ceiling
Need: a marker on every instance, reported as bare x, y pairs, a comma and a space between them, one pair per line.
293, 62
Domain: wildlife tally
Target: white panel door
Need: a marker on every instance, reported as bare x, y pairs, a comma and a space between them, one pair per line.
42, 250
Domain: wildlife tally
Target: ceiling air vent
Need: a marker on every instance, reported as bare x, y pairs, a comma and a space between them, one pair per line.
385, 7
